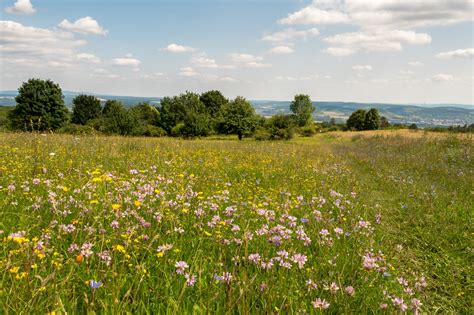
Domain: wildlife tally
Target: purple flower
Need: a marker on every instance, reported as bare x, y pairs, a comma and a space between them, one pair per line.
190, 280
349, 290
181, 266
95, 284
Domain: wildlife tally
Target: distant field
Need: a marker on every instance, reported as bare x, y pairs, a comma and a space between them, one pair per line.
342, 222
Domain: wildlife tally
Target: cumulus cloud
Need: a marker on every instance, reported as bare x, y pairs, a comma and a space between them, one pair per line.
442, 77
290, 34
248, 61
385, 13
187, 72
88, 57
384, 25
85, 25
24, 7
203, 61
175, 48
459, 53
34, 47
369, 41
126, 61
362, 68
281, 50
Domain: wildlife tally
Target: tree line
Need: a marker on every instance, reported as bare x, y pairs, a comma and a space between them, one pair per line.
40, 107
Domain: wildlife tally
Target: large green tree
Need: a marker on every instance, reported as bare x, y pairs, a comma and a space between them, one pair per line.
372, 119
116, 118
238, 117
40, 106
302, 108
85, 108
356, 120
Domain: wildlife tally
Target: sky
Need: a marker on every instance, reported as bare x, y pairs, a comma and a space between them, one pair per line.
391, 51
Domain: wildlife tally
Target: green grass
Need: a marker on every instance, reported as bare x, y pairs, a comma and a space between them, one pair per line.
167, 191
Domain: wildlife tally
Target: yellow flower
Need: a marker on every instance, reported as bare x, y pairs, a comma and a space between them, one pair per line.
21, 275
34, 266
119, 248
116, 206
137, 203
160, 254
94, 201
96, 179
14, 269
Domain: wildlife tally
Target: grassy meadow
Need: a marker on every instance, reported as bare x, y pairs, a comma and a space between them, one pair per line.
337, 223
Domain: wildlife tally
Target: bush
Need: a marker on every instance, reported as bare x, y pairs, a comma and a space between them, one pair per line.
307, 131
280, 127
77, 129
262, 135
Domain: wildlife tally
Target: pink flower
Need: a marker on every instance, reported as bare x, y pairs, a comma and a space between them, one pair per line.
320, 304
181, 266
349, 290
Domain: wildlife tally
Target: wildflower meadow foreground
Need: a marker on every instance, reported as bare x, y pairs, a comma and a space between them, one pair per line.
323, 224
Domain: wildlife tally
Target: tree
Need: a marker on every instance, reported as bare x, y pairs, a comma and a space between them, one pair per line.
356, 120
384, 123
116, 119
280, 127
213, 101
372, 119
40, 106
302, 108
145, 114
238, 117
85, 108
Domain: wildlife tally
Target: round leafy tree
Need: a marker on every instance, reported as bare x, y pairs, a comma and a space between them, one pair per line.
238, 117
40, 106
85, 108
356, 120
372, 119
302, 108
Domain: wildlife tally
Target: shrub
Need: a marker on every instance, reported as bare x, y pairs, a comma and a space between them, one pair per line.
307, 131
75, 129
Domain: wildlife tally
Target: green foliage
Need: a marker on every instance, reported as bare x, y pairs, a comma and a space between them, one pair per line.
302, 108
85, 108
280, 127
307, 131
413, 127
384, 123
40, 106
238, 118
116, 119
74, 129
145, 114
372, 119
357, 120
214, 101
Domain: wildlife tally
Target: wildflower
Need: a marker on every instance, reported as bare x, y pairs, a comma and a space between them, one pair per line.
95, 284
79, 259
114, 224
119, 248
14, 269
333, 288
21, 275
181, 266
349, 290
190, 279
116, 206
299, 259
86, 249
320, 304
254, 258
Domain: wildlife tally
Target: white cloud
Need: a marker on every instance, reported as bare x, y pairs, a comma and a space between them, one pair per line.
362, 68
383, 13
290, 34
281, 50
21, 7
248, 61
416, 64
442, 77
406, 72
175, 48
126, 62
203, 61
315, 15
85, 25
339, 51
365, 41
303, 78
459, 53
26, 46
187, 72
104, 74
88, 57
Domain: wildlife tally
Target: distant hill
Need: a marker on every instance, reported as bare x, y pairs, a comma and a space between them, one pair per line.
424, 115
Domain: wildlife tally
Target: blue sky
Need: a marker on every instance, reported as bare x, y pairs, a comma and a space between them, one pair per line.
341, 50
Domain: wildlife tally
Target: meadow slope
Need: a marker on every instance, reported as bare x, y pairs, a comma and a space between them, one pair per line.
336, 224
